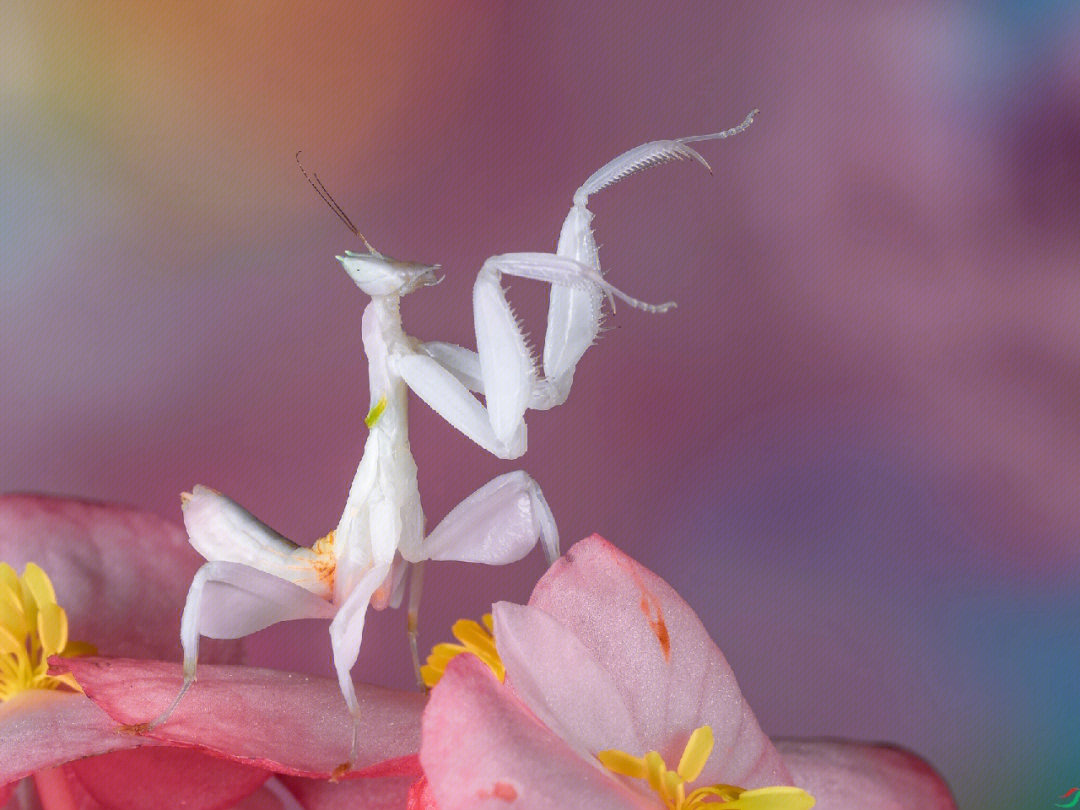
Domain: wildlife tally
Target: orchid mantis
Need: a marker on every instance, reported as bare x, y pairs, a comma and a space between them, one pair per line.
255, 577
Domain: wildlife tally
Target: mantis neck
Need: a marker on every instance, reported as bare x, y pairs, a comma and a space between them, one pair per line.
383, 338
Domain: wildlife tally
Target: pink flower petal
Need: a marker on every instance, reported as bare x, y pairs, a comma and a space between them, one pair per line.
420, 797
284, 721
571, 692
381, 793
58, 787
855, 776
483, 748
268, 797
41, 729
122, 575
61, 787
669, 673
158, 777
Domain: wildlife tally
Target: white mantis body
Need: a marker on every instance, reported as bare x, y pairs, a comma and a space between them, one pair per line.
255, 577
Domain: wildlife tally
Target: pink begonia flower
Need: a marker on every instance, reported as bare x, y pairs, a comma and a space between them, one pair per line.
121, 577
606, 656
286, 722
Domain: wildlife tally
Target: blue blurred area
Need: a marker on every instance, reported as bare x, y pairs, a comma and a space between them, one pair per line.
845, 566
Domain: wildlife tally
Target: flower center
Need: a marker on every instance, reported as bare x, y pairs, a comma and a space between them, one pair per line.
476, 639
670, 786
32, 627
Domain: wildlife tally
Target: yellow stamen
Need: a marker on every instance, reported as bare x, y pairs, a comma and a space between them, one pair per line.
32, 627
654, 771
52, 626
697, 751
475, 638
670, 786
375, 413
622, 763
778, 797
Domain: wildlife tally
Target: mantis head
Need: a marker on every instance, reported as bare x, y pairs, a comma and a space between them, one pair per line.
378, 275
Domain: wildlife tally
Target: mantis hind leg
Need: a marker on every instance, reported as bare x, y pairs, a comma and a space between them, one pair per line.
346, 633
416, 584
498, 524
231, 600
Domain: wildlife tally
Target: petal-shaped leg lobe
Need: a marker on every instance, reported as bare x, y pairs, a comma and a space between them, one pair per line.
497, 524
230, 600
223, 531
142, 562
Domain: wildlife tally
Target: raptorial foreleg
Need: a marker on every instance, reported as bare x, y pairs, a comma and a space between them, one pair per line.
574, 309
450, 397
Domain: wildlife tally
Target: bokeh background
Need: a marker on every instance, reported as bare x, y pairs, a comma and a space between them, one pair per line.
855, 445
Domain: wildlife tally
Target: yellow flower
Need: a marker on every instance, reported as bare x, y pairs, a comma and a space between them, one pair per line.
32, 627
670, 786
475, 639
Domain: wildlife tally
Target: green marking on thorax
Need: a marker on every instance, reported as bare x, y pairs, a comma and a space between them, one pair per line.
375, 413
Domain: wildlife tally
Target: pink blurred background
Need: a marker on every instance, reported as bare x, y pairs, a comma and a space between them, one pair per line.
855, 445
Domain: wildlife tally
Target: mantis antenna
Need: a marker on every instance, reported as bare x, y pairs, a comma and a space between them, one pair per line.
325, 196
